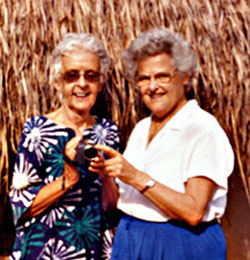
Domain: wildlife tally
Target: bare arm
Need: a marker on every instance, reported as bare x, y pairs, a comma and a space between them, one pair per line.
51, 192
189, 206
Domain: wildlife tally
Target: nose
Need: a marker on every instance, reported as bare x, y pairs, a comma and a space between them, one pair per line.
152, 84
81, 81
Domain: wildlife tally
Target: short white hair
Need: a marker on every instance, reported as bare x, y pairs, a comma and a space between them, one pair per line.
158, 41
78, 41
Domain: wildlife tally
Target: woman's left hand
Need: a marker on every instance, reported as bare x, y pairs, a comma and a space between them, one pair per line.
110, 191
98, 165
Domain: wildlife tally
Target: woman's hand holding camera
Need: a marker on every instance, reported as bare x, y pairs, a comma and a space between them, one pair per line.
101, 166
97, 165
115, 166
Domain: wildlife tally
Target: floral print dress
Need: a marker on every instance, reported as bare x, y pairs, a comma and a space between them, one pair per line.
74, 227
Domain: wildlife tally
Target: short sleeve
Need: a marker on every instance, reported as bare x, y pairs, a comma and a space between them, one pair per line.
211, 157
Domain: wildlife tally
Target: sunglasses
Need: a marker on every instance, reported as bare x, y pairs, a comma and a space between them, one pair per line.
73, 75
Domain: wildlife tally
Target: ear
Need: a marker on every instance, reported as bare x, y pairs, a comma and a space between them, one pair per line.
101, 83
186, 79
55, 82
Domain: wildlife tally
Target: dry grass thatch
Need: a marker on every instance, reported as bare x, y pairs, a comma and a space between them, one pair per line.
218, 31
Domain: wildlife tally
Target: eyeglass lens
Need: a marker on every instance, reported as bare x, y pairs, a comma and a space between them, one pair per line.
74, 75
160, 78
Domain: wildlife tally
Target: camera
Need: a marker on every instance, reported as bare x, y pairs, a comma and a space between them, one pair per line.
85, 152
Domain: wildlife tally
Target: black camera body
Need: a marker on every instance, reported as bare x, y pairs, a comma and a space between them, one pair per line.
85, 152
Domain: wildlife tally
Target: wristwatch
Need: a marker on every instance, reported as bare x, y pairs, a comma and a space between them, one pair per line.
150, 183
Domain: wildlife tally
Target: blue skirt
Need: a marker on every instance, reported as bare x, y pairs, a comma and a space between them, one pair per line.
174, 240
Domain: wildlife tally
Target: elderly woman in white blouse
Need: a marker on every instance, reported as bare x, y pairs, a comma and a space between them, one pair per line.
172, 177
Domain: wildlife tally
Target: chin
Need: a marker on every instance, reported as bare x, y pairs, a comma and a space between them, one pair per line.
160, 114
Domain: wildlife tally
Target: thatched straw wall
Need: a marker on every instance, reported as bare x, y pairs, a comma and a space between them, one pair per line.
218, 31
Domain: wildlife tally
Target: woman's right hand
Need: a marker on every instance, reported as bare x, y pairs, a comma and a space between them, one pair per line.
71, 173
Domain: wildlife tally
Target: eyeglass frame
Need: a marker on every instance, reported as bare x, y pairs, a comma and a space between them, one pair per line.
149, 78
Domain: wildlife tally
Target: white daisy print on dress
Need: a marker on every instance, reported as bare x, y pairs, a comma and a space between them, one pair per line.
23, 176
56, 250
40, 133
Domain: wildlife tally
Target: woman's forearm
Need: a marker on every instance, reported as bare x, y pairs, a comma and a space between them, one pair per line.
189, 206
46, 197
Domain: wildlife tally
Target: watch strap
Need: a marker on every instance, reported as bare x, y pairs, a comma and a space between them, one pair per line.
150, 183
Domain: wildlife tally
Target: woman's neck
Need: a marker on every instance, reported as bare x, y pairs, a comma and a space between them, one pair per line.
68, 118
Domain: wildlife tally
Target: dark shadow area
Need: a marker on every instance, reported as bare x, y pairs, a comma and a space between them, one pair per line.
236, 221
7, 230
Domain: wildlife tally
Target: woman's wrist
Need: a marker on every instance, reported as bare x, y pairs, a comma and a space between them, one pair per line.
140, 180
71, 175
64, 184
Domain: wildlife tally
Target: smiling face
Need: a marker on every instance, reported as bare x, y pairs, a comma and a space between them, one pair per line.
164, 94
80, 81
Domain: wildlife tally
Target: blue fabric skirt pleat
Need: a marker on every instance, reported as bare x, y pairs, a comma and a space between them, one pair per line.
142, 240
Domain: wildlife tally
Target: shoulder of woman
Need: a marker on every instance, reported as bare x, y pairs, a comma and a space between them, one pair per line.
106, 122
34, 119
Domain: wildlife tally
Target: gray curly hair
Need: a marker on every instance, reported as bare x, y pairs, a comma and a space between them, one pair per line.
158, 41
78, 41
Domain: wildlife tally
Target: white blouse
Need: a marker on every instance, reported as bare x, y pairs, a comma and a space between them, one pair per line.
191, 144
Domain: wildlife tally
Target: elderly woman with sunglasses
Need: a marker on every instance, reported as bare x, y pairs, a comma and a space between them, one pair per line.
173, 174
59, 206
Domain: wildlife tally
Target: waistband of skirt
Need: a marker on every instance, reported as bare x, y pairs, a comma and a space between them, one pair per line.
199, 227
202, 226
